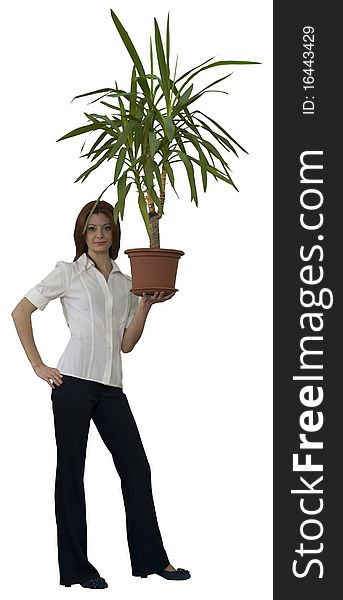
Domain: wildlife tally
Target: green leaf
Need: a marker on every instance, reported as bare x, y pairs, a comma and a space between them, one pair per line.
190, 172
212, 150
170, 174
153, 143
189, 121
144, 211
85, 174
169, 128
158, 175
120, 205
110, 105
122, 138
224, 142
122, 110
148, 170
116, 212
132, 51
104, 190
214, 171
133, 93
159, 117
95, 92
183, 99
181, 144
121, 188
96, 202
114, 125
173, 90
151, 68
202, 158
119, 164
80, 130
218, 63
137, 137
193, 69
188, 101
147, 123
162, 65
203, 165
117, 93
106, 146
215, 82
108, 94
100, 138
168, 44
219, 127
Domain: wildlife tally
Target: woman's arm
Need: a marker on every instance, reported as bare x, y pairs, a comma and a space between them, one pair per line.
22, 320
134, 331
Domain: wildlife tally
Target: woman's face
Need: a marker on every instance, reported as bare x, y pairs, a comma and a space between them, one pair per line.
99, 233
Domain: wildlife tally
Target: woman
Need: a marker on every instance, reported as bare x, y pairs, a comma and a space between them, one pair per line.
104, 318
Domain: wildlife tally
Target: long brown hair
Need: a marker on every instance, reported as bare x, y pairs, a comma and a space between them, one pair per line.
80, 238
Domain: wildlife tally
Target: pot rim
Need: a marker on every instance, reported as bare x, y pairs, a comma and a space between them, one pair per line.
157, 250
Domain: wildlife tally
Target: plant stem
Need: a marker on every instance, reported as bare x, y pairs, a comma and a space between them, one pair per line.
153, 222
154, 229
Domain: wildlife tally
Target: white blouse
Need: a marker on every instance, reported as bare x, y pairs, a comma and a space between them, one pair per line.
96, 311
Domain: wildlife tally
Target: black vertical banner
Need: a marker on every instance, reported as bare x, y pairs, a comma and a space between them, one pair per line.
308, 239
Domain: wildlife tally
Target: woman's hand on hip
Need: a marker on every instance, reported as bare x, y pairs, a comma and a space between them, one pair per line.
49, 374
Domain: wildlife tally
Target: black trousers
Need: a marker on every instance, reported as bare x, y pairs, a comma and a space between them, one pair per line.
75, 402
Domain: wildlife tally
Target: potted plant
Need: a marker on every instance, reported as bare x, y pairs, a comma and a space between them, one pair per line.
151, 126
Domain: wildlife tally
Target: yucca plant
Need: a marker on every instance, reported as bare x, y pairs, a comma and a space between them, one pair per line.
151, 127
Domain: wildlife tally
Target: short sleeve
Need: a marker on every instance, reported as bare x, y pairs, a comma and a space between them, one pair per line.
51, 287
134, 302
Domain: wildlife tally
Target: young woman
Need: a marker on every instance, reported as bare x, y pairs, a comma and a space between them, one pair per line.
104, 318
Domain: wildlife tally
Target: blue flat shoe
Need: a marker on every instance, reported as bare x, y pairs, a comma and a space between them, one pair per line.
95, 583
177, 575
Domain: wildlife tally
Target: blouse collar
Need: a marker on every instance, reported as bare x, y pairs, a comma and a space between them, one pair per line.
85, 261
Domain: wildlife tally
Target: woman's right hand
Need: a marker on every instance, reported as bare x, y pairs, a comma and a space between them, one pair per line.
49, 374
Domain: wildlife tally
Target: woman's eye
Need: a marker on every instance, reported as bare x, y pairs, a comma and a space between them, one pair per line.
91, 228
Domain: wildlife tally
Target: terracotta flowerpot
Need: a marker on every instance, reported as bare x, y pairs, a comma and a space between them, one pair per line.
153, 270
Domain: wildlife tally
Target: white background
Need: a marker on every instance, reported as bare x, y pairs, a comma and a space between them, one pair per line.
199, 381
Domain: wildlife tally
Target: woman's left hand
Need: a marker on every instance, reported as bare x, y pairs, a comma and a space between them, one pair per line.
148, 300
